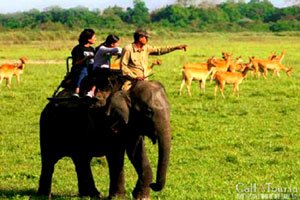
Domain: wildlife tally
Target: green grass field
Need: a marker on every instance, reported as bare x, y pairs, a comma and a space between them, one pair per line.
219, 145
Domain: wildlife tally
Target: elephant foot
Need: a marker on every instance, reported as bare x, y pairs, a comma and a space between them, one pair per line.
117, 196
142, 198
44, 193
140, 195
95, 198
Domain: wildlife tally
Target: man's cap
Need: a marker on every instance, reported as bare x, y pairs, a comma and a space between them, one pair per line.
141, 32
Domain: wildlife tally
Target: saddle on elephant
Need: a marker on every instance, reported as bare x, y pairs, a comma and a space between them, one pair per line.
65, 89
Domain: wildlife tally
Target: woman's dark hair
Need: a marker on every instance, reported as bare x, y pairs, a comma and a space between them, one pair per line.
85, 35
110, 39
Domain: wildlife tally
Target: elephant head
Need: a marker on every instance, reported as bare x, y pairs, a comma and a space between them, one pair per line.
145, 107
119, 105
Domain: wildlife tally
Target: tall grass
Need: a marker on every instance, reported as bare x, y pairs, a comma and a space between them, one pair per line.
217, 143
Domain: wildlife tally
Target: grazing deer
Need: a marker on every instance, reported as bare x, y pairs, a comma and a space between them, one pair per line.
7, 71
282, 67
234, 78
265, 65
272, 63
275, 66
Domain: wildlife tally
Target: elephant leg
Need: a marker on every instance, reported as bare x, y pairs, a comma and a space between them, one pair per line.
116, 173
138, 157
48, 163
86, 184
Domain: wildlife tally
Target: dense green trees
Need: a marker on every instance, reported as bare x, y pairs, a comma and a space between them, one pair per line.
185, 15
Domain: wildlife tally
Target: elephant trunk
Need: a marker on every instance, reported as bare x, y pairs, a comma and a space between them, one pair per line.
164, 147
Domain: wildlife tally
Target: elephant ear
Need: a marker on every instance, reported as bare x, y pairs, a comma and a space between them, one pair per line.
119, 106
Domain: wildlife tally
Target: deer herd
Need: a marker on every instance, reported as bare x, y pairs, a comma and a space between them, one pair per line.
230, 71
223, 71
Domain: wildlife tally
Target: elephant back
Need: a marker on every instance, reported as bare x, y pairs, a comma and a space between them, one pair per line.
73, 129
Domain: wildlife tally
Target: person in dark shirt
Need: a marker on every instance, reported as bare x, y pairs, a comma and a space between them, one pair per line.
83, 57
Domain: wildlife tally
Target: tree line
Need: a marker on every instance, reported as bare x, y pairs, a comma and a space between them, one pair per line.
230, 16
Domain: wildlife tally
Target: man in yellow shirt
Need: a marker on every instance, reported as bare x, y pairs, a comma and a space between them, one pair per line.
134, 58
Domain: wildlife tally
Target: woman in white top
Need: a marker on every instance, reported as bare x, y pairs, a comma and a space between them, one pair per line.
102, 61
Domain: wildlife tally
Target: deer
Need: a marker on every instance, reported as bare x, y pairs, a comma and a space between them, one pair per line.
149, 69
204, 65
221, 66
235, 78
275, 66
199, 65
282, 67
279, 59
265, 65
236, 65
194, 73
272, 63
7, 71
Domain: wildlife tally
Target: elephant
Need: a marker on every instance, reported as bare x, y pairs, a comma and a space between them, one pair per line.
82, 131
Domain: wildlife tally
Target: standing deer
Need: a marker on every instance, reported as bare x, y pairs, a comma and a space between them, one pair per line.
7, 71
194, 73
234, 78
